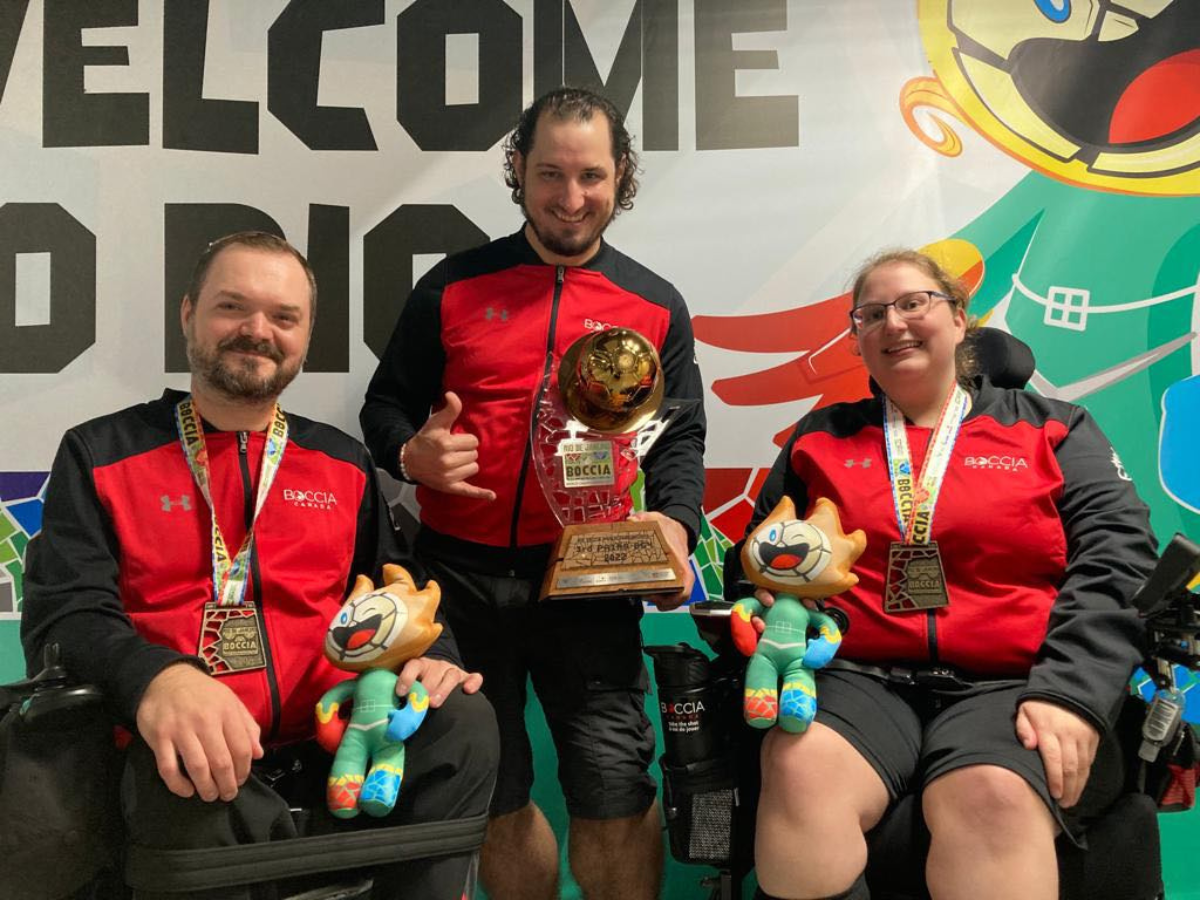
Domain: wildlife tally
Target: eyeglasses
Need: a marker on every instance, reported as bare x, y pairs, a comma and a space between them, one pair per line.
909, 306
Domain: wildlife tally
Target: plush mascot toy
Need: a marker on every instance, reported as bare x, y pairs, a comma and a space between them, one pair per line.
374, 634
795, 559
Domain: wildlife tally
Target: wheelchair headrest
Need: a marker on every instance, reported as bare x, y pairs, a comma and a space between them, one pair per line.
1005, 360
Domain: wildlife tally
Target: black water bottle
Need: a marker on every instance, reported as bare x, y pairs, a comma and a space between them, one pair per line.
687, 704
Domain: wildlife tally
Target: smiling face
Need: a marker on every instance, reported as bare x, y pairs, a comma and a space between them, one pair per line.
903, 353
791, 552
365, 629
381, 628
569, 179
248, 331
1082, 91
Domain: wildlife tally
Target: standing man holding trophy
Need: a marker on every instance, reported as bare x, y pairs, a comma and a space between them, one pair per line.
518, 393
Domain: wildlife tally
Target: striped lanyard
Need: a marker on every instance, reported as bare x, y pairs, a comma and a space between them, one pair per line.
229, 575
915, 500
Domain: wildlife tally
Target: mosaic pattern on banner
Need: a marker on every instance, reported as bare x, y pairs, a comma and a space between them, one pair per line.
21, 496
708, 560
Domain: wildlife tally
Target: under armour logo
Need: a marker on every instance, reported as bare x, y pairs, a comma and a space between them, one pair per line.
1121, 473
493, 313
184, 502
851, 463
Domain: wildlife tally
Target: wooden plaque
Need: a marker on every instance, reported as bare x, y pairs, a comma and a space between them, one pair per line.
616, 559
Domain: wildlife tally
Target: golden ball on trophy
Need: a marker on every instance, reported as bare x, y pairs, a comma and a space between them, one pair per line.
611, 380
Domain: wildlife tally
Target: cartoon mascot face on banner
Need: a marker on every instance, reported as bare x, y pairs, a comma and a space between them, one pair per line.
1088, 94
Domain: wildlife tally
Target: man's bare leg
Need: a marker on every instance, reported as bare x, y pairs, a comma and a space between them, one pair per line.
520, 857
618, 859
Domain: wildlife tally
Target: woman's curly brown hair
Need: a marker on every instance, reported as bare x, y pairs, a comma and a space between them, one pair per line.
578, 104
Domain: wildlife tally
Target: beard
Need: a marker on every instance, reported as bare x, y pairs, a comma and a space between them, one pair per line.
562, 244
239, 379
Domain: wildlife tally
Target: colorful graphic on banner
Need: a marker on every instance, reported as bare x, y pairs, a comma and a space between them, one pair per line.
21, 496
1079, 91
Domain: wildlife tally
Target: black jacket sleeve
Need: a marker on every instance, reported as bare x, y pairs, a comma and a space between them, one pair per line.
407, 382
674, 466
72, 595
1094, 637
780, 482
379, 542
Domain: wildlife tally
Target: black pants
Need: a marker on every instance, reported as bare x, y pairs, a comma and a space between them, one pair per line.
449, 772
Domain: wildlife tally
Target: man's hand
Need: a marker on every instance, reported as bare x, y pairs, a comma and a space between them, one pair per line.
677, 541
1067, 743
439, 459
189, 715
438, 676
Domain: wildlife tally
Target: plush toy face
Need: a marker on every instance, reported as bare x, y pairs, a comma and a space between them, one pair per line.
382, 628
806, 557
790, 552
364, 628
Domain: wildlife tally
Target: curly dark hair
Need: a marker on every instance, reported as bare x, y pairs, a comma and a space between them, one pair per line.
578, 104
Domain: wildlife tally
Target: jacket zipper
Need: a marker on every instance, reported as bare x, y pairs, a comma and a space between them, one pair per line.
559, 277
931, 632
256, 581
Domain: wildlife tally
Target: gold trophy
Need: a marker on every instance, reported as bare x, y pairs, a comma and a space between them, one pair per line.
591, 430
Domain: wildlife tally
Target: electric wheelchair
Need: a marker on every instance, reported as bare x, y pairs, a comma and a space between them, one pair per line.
61, 833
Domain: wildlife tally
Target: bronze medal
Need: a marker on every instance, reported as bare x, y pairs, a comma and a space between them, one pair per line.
231, 639
915, 580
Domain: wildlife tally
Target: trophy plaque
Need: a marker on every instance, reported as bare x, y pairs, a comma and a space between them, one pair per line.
592, 426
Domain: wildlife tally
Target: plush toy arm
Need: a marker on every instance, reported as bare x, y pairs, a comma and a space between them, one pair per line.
822, 648
404, 721
741, 625
330, 725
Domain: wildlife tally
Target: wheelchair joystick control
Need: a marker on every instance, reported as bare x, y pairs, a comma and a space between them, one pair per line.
1162, 723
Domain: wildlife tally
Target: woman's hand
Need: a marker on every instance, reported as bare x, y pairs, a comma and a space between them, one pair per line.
1067, 743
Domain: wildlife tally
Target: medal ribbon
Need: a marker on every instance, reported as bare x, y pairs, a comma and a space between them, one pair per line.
229, 575
915, 503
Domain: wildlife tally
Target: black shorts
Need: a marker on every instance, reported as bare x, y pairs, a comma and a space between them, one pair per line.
912, 735
585, 661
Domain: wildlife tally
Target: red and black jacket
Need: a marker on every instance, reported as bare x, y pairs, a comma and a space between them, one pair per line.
122, 568
482, 324
1043, 539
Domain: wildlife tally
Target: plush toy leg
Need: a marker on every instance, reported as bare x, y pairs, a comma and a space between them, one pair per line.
798, 699
382, 786
760, 702
346, 776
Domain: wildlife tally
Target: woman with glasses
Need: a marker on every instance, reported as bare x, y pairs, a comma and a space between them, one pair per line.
990, 637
